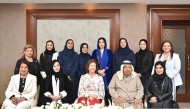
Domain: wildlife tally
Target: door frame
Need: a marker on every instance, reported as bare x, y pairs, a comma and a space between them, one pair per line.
32, 15
155, 15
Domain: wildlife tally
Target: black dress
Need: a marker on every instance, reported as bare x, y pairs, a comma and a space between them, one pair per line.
144, 63
63, 85
34, 68
45, 65
151, 89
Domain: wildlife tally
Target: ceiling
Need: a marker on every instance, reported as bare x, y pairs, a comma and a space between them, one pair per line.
100, 1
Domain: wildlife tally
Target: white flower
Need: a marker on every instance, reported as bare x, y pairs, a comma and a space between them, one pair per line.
96, 106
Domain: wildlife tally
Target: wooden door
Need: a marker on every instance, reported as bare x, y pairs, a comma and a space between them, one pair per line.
156, 16
179, 34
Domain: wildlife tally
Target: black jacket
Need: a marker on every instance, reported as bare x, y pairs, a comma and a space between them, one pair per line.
144, 68
63, 86
118, 59
152, 90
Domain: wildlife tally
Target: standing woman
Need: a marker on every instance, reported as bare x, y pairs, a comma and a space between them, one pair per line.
172, 63
124, 53
104, 58
68, 60
144, 61
45, 66
83, 58
29, 54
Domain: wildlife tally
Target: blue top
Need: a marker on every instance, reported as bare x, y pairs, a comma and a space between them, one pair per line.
107, 66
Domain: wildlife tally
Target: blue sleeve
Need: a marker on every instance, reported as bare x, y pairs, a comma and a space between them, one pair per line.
115, 69
73, 72
60, 59
110, 57
133, 59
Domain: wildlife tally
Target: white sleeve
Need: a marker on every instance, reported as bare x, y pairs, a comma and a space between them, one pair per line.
155, 60
63, 94
55, 55
177, 67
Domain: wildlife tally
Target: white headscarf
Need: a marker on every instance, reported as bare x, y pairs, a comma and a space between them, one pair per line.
120, 73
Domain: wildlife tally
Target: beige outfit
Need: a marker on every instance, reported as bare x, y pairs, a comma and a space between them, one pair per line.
127, 87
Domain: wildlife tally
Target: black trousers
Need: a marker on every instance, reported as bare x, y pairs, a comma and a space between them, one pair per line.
177, 87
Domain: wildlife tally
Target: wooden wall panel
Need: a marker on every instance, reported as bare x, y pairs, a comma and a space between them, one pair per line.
35, 14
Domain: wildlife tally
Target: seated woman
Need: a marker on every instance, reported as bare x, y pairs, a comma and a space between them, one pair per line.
56, 85
158, 88
21, 89
91, 86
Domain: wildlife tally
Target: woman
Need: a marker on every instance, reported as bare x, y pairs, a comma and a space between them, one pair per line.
159, 88
29, 54
104, 58
45, 66
21, 89
124, 53
83, 58
144, 61
91, 86
56, 86
172, 64
68, 60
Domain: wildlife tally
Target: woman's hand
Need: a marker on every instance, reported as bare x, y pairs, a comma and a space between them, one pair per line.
102, 72
55, 98
69, 78
153, 100
139, 75
20, 100
14, 100
92, 97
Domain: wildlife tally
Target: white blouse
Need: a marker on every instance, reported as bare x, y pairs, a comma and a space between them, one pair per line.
91, 86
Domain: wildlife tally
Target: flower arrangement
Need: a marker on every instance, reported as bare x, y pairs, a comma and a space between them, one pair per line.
60, 105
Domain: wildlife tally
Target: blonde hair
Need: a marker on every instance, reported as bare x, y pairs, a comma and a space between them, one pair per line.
25, 48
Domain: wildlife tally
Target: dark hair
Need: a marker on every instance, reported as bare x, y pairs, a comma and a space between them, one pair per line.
101, 38
51, 42
171, 51
23, 62
89, 62
52, 63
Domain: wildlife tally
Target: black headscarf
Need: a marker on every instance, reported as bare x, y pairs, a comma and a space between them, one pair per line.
81, 53
142, 52
67, 51
62, 78
159, 78
126, 50
51, 51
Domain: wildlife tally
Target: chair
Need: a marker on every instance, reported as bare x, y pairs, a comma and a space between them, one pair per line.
34, 103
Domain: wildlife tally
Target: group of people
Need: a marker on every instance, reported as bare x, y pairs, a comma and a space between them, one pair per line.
123, 77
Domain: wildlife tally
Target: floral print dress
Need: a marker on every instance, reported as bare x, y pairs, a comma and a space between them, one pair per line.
93, 85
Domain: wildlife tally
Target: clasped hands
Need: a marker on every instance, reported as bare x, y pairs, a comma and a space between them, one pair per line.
102, 72
153, 100
55, 98
136, 101
92, 97
16, 100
